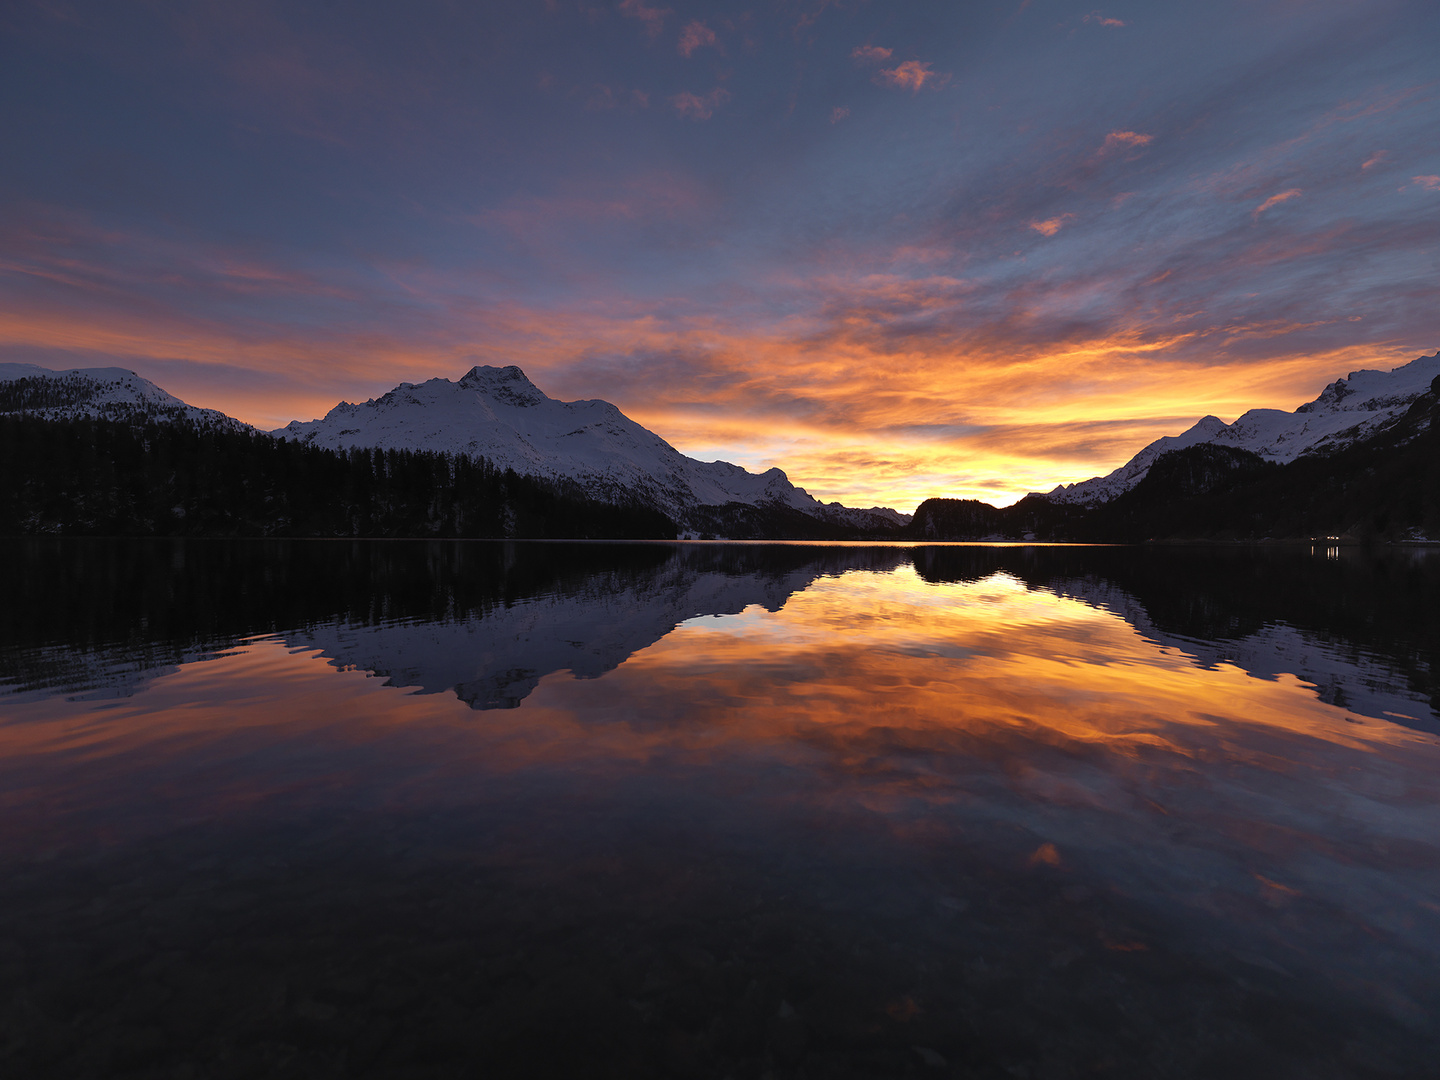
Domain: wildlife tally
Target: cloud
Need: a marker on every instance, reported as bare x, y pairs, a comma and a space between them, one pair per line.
870, 54
1429, 183
1101, 20
695, 107
1065, 376
1275, 200
911, 75
653, 18
1375, 158
1118, 140
838, 113
695, 36
1050, 226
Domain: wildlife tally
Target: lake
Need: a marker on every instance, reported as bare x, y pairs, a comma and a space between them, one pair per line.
315, 808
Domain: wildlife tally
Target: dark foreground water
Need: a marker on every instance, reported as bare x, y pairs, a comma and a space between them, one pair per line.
319, 809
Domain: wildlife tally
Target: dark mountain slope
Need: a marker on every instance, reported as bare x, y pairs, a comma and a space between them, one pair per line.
1384, 488
99, 477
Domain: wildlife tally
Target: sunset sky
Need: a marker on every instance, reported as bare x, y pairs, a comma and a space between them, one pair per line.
897, 249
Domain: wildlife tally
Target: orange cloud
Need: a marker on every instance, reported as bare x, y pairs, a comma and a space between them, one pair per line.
801, 393
911, 75
1375, 158
870, 54
695, 107
1276, 200
1429, 183
840, 112
695, 36
1051, 226
652, 17
1117, 140
1101, 20
869, 387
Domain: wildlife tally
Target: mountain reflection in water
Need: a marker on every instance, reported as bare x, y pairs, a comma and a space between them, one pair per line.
716, 810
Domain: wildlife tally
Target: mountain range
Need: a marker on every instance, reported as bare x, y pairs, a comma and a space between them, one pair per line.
499, 414
495, 413
1359, 464
1356, 460
1348, 411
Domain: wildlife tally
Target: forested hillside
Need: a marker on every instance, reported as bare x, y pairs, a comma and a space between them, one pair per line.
98, 477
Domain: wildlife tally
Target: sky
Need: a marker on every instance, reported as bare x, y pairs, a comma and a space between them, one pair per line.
899, 250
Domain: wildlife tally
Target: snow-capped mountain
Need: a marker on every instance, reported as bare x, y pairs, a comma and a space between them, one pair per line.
109, 393
499, 414
1346, 411
492, 412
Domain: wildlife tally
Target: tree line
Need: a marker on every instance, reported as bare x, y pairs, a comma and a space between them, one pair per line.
146, 478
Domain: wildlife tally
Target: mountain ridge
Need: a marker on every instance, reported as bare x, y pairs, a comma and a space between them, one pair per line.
1346, 412
105, 393
496, 414
1363, 468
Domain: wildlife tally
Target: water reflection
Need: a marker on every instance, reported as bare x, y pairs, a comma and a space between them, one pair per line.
489, 620
745, 810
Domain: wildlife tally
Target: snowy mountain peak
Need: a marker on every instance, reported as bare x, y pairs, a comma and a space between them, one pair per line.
108, 393
497, 413
508, 384
1347, 410
492, 412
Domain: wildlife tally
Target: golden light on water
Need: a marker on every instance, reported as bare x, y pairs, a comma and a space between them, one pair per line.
877, 688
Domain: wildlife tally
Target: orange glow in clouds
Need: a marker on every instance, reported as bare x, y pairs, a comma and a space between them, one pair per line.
877, 389
849, 417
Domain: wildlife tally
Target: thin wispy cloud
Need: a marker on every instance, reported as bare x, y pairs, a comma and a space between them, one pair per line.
1125, 140
1100, 20
1276, 200
1429, 183
1051, 226
653, 18
870, 54
838, 113
698, 107
696, 36
1375, 159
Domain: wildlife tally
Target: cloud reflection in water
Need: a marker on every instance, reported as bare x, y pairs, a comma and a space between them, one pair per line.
1001, 780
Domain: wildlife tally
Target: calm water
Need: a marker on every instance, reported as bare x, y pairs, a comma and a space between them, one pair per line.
320, 809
